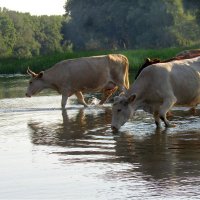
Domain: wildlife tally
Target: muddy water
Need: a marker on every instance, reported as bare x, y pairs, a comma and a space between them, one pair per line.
49, 154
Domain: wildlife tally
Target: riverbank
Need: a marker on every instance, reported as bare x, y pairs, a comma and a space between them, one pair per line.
136, 58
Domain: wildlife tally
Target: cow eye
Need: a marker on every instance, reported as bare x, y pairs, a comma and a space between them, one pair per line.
119, 110
30, 82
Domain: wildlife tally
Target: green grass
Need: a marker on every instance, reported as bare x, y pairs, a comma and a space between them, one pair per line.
39, 63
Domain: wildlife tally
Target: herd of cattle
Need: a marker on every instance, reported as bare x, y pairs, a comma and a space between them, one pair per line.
159, 85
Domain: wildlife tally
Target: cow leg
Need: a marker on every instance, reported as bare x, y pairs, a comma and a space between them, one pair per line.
65, 94
106, 94
81, 98
122, 89
164, 108
64, 101
157, 119
192, 110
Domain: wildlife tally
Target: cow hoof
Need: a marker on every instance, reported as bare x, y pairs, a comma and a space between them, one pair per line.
192, 111
171, 125
114, 129
158, 128
158, 125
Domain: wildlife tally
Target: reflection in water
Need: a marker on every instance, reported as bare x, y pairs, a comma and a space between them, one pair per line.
71, 128
63, 151
159, 154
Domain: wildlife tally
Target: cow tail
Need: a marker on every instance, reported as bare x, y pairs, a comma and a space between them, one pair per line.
126, 73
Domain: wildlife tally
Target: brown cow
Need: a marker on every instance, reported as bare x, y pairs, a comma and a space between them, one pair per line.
187, 54
103, 73
157, 89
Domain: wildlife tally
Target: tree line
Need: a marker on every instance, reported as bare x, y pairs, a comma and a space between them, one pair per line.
100, 25
23, 35
130, 24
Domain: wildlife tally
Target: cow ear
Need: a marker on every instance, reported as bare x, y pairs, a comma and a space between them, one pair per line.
131, 98
40, 75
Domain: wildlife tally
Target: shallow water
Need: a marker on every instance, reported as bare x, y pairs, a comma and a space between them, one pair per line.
49, 154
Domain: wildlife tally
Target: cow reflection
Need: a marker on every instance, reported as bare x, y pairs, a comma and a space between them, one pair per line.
160, 155
72, 127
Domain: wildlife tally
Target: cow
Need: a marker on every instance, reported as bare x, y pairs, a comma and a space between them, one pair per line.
157, 89
189, 53
147, 62
105, 73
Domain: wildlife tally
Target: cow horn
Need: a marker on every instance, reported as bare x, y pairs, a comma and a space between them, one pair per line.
31, 72
148, 60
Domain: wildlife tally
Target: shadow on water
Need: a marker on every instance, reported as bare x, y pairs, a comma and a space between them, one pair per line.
157, 153
81, 125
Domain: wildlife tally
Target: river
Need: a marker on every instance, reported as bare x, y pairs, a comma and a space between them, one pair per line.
47, 153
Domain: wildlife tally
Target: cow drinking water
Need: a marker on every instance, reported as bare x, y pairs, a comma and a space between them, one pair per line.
157, 89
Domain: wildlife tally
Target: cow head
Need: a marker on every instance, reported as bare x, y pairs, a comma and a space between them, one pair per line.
36, 83
121, 111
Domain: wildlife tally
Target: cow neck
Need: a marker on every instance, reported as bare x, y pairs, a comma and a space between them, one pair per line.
51, 79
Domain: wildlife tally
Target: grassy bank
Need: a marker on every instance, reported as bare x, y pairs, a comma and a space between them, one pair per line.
136, 58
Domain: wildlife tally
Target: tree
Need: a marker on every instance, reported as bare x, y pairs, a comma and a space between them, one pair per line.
7, 35
184, 29
48, 34
130, 24
26, 44
23, 35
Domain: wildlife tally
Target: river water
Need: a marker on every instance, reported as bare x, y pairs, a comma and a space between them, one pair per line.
47, 153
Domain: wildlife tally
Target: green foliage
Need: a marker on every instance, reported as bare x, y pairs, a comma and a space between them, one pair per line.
24, 36
101, 25
39, 63
49, 34
117, 24
7, 35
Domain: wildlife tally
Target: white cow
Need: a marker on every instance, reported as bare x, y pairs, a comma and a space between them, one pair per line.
103, 73
157, 89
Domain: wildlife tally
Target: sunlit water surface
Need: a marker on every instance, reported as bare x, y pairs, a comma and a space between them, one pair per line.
47, 153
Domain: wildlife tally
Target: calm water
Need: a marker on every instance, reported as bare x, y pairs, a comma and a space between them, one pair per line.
49, 154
